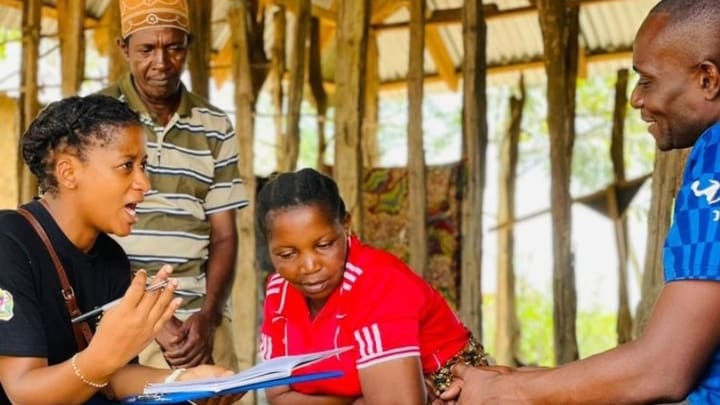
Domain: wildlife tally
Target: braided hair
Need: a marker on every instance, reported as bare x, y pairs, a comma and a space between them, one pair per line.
71, 125
296, 189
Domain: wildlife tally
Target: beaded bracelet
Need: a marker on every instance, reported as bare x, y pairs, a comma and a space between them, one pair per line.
76, 370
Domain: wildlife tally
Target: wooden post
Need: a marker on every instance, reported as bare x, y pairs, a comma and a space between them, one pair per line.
624, 319
245, 287
417, 184
353, 18
199, 57
370, 148
475, 150
9, 120
297, 85
31, 12
72, 44
277, 71
507, 337
318, 90
666, 179
117, 66
559, 23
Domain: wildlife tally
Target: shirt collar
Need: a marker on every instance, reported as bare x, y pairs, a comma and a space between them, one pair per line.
135, 102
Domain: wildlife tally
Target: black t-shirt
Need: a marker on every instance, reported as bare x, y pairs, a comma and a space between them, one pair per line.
34, 321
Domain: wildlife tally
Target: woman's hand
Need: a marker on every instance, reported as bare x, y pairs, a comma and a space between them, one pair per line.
207, 371
128, 328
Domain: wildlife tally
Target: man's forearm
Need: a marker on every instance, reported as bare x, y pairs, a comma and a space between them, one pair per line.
220, 269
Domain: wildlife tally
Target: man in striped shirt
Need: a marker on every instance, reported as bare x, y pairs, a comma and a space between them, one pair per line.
188, 216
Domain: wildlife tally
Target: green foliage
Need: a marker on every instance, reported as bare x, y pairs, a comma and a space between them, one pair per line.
595, 328
7, 35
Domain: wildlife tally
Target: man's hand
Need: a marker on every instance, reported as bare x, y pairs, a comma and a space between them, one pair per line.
196, 346
471, 385
170, 337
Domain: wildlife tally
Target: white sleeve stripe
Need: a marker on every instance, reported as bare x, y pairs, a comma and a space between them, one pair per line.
369, 340
371, 362
377, 338
361, 344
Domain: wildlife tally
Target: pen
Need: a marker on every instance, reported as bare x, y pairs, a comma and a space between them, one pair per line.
97, 311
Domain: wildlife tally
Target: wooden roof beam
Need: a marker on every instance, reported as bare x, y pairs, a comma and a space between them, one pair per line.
454, 15
49, 12
537, 64
382, 9
443, 62
326, 15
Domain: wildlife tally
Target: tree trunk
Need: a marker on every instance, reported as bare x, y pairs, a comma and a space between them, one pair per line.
29, 93
245, 286
352, 33
297, 85
72, 44
475, 147
617, 155
507, 338
199, 58
559, 23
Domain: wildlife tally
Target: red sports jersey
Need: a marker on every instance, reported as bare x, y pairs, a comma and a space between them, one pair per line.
382, 308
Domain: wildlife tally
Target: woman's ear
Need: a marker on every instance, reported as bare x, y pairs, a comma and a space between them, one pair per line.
65, 171
709, 79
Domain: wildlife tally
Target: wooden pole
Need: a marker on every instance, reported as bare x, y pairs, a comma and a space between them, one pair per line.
31, 11
352, 36
277, 71
507, 337
475, 150
666, 179
559, 23
72, 44
200, 49
245, 287
623, 325
318, 90
117, 66
370, 148
297, 85
417, 183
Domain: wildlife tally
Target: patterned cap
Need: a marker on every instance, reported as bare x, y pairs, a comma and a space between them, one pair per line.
136, 15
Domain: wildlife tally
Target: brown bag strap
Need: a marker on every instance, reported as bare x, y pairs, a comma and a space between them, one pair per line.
81, 330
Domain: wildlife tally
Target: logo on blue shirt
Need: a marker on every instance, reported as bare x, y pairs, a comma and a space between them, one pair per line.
710, 192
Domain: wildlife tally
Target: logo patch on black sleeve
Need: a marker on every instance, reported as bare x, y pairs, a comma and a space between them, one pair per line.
6, 305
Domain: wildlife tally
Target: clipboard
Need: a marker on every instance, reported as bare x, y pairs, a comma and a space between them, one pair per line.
183, 397
276, 371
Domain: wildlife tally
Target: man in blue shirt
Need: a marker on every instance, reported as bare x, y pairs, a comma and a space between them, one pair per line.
677, 56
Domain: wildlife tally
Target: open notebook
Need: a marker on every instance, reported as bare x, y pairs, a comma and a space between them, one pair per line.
270, 373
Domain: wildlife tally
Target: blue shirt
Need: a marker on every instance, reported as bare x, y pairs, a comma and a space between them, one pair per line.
692, 246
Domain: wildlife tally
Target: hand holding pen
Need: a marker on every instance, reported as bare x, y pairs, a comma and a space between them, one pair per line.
99, 310
131, 323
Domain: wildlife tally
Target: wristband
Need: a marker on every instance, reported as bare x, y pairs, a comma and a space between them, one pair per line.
175, 375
